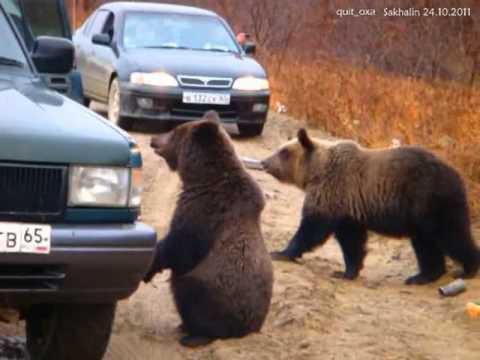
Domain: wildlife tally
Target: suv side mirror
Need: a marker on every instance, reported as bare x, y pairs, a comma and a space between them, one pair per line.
250, 48
101, 39
52, 55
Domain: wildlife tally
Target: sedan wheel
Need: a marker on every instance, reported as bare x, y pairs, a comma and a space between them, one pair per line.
114, 107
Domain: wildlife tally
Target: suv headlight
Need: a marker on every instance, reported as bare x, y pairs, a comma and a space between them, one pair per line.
250, 83
136, 188
154, 79
104, 186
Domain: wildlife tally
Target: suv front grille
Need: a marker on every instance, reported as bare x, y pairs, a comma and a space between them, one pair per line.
32, 191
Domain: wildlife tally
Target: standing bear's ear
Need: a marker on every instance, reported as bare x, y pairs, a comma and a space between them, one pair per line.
305, 140
206, 131
211, 115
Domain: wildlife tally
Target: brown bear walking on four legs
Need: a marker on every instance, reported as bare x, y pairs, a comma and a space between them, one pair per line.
221, 271
406, 191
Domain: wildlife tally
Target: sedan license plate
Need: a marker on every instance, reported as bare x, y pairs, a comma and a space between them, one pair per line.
205, 98
25, 238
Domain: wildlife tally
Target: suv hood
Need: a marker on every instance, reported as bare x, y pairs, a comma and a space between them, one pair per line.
43, 126
192, 62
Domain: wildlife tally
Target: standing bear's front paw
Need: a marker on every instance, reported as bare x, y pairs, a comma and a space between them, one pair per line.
150, 274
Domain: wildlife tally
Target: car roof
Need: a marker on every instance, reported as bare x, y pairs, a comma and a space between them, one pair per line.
123, 6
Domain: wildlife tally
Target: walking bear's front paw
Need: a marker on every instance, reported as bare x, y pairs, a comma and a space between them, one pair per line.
282, 256
345, 275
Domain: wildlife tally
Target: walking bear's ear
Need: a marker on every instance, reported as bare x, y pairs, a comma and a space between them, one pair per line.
305, 140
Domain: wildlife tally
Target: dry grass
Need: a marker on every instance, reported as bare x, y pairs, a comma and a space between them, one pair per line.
374, 108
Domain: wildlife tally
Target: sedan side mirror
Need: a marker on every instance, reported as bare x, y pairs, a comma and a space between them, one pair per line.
101, 39
52, 55
250, 48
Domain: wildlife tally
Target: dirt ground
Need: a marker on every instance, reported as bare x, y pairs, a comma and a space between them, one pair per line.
313, 316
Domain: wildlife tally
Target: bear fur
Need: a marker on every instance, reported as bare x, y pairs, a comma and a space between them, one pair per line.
401, 192
221, 270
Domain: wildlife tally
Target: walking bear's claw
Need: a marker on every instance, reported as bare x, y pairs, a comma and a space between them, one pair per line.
195, 341
282, 256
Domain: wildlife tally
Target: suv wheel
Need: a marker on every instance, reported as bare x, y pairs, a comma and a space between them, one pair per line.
114, 107
250, 129
69, 331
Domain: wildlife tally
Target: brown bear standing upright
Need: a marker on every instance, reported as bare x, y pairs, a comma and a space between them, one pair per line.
406, 191
221, 271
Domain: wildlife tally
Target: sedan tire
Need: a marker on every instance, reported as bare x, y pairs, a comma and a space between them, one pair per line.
114, 107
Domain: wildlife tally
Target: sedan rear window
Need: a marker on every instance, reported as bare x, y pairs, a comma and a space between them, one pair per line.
176, 31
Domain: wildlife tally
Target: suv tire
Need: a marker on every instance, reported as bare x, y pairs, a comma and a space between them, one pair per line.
86, 102
114, 107
69, 331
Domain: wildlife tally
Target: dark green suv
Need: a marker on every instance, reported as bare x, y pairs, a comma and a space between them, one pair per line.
70, 188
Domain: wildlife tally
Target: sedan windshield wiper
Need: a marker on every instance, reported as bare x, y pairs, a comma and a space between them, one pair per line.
11, 62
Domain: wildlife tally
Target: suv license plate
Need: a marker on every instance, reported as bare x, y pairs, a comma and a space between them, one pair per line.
205, 98
25, 238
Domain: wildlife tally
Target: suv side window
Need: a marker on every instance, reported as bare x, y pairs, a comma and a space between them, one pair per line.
98, 23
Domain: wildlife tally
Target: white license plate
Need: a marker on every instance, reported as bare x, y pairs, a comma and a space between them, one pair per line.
205, 98
25, 238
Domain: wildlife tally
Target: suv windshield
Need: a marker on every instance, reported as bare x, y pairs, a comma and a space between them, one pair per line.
176, 31
44, 17
11, 53
36, 17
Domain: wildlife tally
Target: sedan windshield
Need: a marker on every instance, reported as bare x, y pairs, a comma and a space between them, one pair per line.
176, 31
11, 53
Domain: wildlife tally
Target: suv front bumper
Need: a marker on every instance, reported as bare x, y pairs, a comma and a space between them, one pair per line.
87, 263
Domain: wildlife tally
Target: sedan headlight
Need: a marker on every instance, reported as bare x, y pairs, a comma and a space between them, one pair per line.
154, 79
250, 83
104, 186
